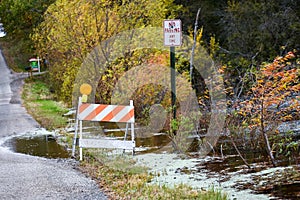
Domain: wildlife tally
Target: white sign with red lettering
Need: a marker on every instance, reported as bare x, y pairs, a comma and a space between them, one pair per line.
172, 32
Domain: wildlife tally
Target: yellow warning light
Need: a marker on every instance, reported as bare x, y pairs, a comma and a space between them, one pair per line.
85, 89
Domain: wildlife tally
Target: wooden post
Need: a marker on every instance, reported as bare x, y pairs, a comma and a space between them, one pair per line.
132, 130
80, 138
76, 128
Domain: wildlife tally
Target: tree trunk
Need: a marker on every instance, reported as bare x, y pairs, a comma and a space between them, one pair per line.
194, 45
265, 136
269, 151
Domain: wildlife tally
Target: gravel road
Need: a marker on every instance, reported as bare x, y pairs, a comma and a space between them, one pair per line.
28, 177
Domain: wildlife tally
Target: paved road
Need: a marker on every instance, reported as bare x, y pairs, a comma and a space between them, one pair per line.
28, 177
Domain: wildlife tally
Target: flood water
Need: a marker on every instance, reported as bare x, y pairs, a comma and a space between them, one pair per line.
42, 145
289, 191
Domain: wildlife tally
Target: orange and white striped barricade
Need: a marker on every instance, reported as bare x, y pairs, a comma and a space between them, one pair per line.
106, 113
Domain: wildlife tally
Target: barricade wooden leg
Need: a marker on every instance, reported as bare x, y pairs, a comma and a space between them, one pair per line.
75, 137
132, 132
76, 129
80, 138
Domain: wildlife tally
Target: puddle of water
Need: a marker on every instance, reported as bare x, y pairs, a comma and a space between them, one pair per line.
232, 163
289, 191
42, 145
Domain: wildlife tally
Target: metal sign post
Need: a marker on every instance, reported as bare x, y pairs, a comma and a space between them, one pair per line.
173, 81
172, 38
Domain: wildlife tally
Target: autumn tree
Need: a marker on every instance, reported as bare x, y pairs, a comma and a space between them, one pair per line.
274, 98
73, 28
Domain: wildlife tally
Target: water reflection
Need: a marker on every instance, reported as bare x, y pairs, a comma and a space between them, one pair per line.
43, 146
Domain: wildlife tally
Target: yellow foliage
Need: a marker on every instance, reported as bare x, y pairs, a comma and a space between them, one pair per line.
72, 28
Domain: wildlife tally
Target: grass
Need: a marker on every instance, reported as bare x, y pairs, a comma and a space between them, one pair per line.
38, 102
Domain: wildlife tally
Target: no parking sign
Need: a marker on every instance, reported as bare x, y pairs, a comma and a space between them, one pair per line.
172, 32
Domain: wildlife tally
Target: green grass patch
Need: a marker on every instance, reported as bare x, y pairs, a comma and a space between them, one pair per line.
38, 102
